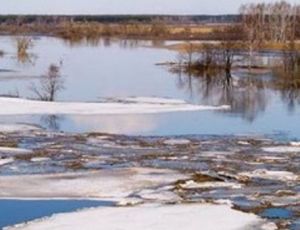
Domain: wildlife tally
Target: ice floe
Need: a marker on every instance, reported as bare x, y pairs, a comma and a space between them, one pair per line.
295, 143
282, 149
150, 217
190, 184
14, 151
6, 161
111, 183
271, 175
39, 159
177, 142
17, 106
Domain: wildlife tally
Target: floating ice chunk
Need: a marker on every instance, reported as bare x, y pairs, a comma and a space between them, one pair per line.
114, 184
177, 142
272, 158
243, 143
190, 184
272, 175
39, 159
150, 217
293, 143
14, 150
6, 161
282, 149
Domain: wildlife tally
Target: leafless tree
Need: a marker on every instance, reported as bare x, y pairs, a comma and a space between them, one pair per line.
50, 84
188, 54
277, 22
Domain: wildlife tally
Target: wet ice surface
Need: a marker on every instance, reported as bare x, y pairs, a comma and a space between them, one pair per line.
240, 170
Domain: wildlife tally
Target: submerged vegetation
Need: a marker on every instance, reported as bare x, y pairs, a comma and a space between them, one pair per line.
24, 44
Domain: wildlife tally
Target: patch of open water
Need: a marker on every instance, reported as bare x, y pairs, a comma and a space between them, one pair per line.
19, 211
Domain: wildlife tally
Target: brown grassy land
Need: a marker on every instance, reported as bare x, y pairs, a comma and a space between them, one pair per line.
135, 30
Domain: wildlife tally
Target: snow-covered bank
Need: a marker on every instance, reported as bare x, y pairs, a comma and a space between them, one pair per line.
151, 217
115, 184
16, 106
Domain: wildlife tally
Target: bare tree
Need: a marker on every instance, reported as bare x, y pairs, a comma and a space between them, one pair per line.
50, 84
188, 54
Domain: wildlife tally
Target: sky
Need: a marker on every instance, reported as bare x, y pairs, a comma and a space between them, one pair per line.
123, 6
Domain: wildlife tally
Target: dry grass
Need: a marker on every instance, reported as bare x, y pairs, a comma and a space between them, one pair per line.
90, 30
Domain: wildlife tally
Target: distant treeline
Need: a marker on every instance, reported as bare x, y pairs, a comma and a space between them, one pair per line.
120, 18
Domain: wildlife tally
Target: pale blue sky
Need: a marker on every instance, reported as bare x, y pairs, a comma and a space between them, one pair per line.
122, 6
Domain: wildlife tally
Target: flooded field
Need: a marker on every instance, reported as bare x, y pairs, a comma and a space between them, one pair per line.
122, 127
118, 69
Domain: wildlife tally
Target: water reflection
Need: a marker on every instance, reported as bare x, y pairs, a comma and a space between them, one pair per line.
51, 122
109, 41
129, 124
23, 44
287, 79
26, 58
201, 75
247, 96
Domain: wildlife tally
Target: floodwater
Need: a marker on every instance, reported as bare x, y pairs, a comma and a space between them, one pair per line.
118, 68
20, 211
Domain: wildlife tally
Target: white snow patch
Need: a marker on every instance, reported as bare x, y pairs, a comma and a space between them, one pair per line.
272, 175
150, 217
17, 106
282, 149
